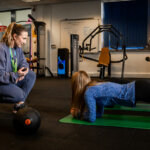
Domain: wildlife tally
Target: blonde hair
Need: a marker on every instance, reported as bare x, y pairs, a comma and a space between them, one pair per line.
80, 80
13, 28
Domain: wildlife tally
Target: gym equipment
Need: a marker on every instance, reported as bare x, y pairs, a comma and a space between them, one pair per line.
2, 30
125, 121
104, 61
39, 26
63, 62
74, 52
27, 120
31, 62
110, 29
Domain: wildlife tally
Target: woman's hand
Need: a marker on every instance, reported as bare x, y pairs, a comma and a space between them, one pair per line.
20, 78
75, 112
23, 71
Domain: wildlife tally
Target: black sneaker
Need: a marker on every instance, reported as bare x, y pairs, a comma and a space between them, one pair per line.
18, 106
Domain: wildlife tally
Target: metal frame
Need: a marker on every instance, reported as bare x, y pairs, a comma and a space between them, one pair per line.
105, 28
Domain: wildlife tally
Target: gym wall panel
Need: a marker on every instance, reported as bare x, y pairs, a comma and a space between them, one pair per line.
81, 27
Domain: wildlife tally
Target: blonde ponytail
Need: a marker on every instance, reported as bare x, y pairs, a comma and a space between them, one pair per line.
7, 37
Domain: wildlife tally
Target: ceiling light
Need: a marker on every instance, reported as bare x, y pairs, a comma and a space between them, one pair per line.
29, 1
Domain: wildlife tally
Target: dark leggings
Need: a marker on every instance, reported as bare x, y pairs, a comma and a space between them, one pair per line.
142, 90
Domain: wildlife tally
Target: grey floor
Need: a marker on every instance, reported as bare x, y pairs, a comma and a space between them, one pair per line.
51, 97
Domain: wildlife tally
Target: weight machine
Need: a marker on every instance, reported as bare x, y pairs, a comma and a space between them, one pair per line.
111, 30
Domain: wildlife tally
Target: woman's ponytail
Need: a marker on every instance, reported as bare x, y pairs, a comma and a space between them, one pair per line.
7, 37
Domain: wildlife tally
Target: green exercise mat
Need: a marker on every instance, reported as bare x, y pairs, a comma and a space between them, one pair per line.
139, 107
126, 121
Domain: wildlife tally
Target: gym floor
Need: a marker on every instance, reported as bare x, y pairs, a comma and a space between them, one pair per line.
51, 97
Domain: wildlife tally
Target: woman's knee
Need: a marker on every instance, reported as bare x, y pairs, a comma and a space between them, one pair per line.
19, 96
31, 75
11, 93
15, 96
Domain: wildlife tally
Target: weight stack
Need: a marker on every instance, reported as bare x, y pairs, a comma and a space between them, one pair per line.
74, 46
63, 62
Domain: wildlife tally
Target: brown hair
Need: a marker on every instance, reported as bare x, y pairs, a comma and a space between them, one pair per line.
13, 28
80, 80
